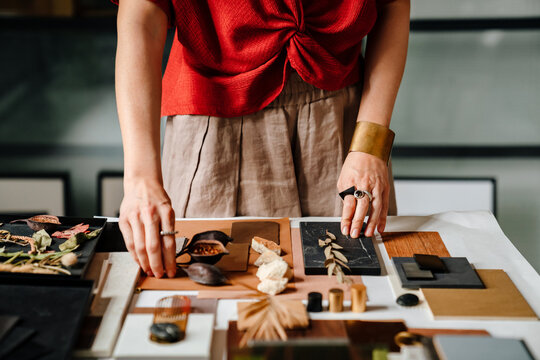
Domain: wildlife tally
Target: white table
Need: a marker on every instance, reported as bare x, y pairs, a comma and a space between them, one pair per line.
475, 235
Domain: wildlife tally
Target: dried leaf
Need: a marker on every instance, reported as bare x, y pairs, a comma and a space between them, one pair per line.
339, 275
336, 246
330, 235
42, 240
77, 240
340, 256
328, 252
327, 262
321, 243
342, 264
327, 241
331, 269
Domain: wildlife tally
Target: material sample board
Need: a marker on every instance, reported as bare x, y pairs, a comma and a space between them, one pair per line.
499, 300
359, 252
406, 244
134, 341
189, 228
460, 275
458, 347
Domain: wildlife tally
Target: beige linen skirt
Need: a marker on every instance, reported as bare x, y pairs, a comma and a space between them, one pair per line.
283, 160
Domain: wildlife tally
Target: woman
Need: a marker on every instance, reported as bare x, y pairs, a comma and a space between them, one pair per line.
261, 99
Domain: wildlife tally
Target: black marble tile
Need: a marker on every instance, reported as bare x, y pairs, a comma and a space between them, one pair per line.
359, 252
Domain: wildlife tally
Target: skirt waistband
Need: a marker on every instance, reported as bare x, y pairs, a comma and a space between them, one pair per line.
297, 91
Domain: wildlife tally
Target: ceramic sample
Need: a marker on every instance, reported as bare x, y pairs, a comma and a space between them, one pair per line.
460, 275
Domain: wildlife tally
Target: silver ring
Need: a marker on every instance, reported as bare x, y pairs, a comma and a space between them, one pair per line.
359, 194
167, 233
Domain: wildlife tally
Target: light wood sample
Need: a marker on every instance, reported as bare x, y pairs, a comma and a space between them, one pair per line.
499, 300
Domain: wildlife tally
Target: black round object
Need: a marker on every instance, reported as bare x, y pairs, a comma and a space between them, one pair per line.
314, 302
165, 333
407, 300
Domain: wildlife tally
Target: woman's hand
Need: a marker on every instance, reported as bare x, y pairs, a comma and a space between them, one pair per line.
146, 209
369, 173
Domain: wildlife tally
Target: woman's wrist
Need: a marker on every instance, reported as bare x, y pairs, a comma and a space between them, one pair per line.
374, 139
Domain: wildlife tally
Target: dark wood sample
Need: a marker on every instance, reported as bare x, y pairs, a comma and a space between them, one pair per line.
244, 231
359, 252
406, 244
460, 275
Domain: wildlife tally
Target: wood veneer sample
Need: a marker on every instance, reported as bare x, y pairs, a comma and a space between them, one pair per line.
406, 244
499, 300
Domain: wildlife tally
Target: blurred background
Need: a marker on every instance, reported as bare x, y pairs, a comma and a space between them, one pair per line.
467, 117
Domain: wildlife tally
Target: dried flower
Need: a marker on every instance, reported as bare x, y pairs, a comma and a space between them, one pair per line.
69, 259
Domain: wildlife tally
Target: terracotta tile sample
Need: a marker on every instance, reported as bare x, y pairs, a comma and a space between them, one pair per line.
406, 244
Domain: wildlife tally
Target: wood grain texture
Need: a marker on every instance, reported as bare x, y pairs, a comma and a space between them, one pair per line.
406, 244
236, 289
499, 300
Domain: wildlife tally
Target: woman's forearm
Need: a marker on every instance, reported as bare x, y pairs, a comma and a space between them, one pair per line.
142, 29
386, 52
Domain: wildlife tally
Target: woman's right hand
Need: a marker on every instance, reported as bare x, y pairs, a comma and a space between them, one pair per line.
145, 211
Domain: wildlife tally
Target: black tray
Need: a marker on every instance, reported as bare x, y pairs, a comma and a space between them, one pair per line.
359, 252
52, 309
84, 252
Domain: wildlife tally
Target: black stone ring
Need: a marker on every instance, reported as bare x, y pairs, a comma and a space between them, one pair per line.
349, 191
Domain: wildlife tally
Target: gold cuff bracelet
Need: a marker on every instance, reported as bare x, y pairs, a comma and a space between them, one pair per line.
372, 139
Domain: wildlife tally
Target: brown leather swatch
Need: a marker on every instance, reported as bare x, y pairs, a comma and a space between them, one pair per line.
237, 259
243, 231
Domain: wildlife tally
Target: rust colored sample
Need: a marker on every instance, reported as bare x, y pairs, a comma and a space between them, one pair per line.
406, 244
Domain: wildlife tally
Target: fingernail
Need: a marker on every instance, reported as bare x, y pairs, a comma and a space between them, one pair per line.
354, 233
149, 273
159, 275
171, 274
345, 230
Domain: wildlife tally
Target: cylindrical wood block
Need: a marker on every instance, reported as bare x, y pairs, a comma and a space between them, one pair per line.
358, 298
335, 300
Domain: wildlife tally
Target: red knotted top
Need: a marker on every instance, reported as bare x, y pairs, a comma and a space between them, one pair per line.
231, 58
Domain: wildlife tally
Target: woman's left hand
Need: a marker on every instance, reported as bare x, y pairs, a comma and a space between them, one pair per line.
369, 173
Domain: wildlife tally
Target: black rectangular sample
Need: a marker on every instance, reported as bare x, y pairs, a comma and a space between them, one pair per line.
359, 252
413, 272
84, 252
53, 312
430, 262
460, 275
